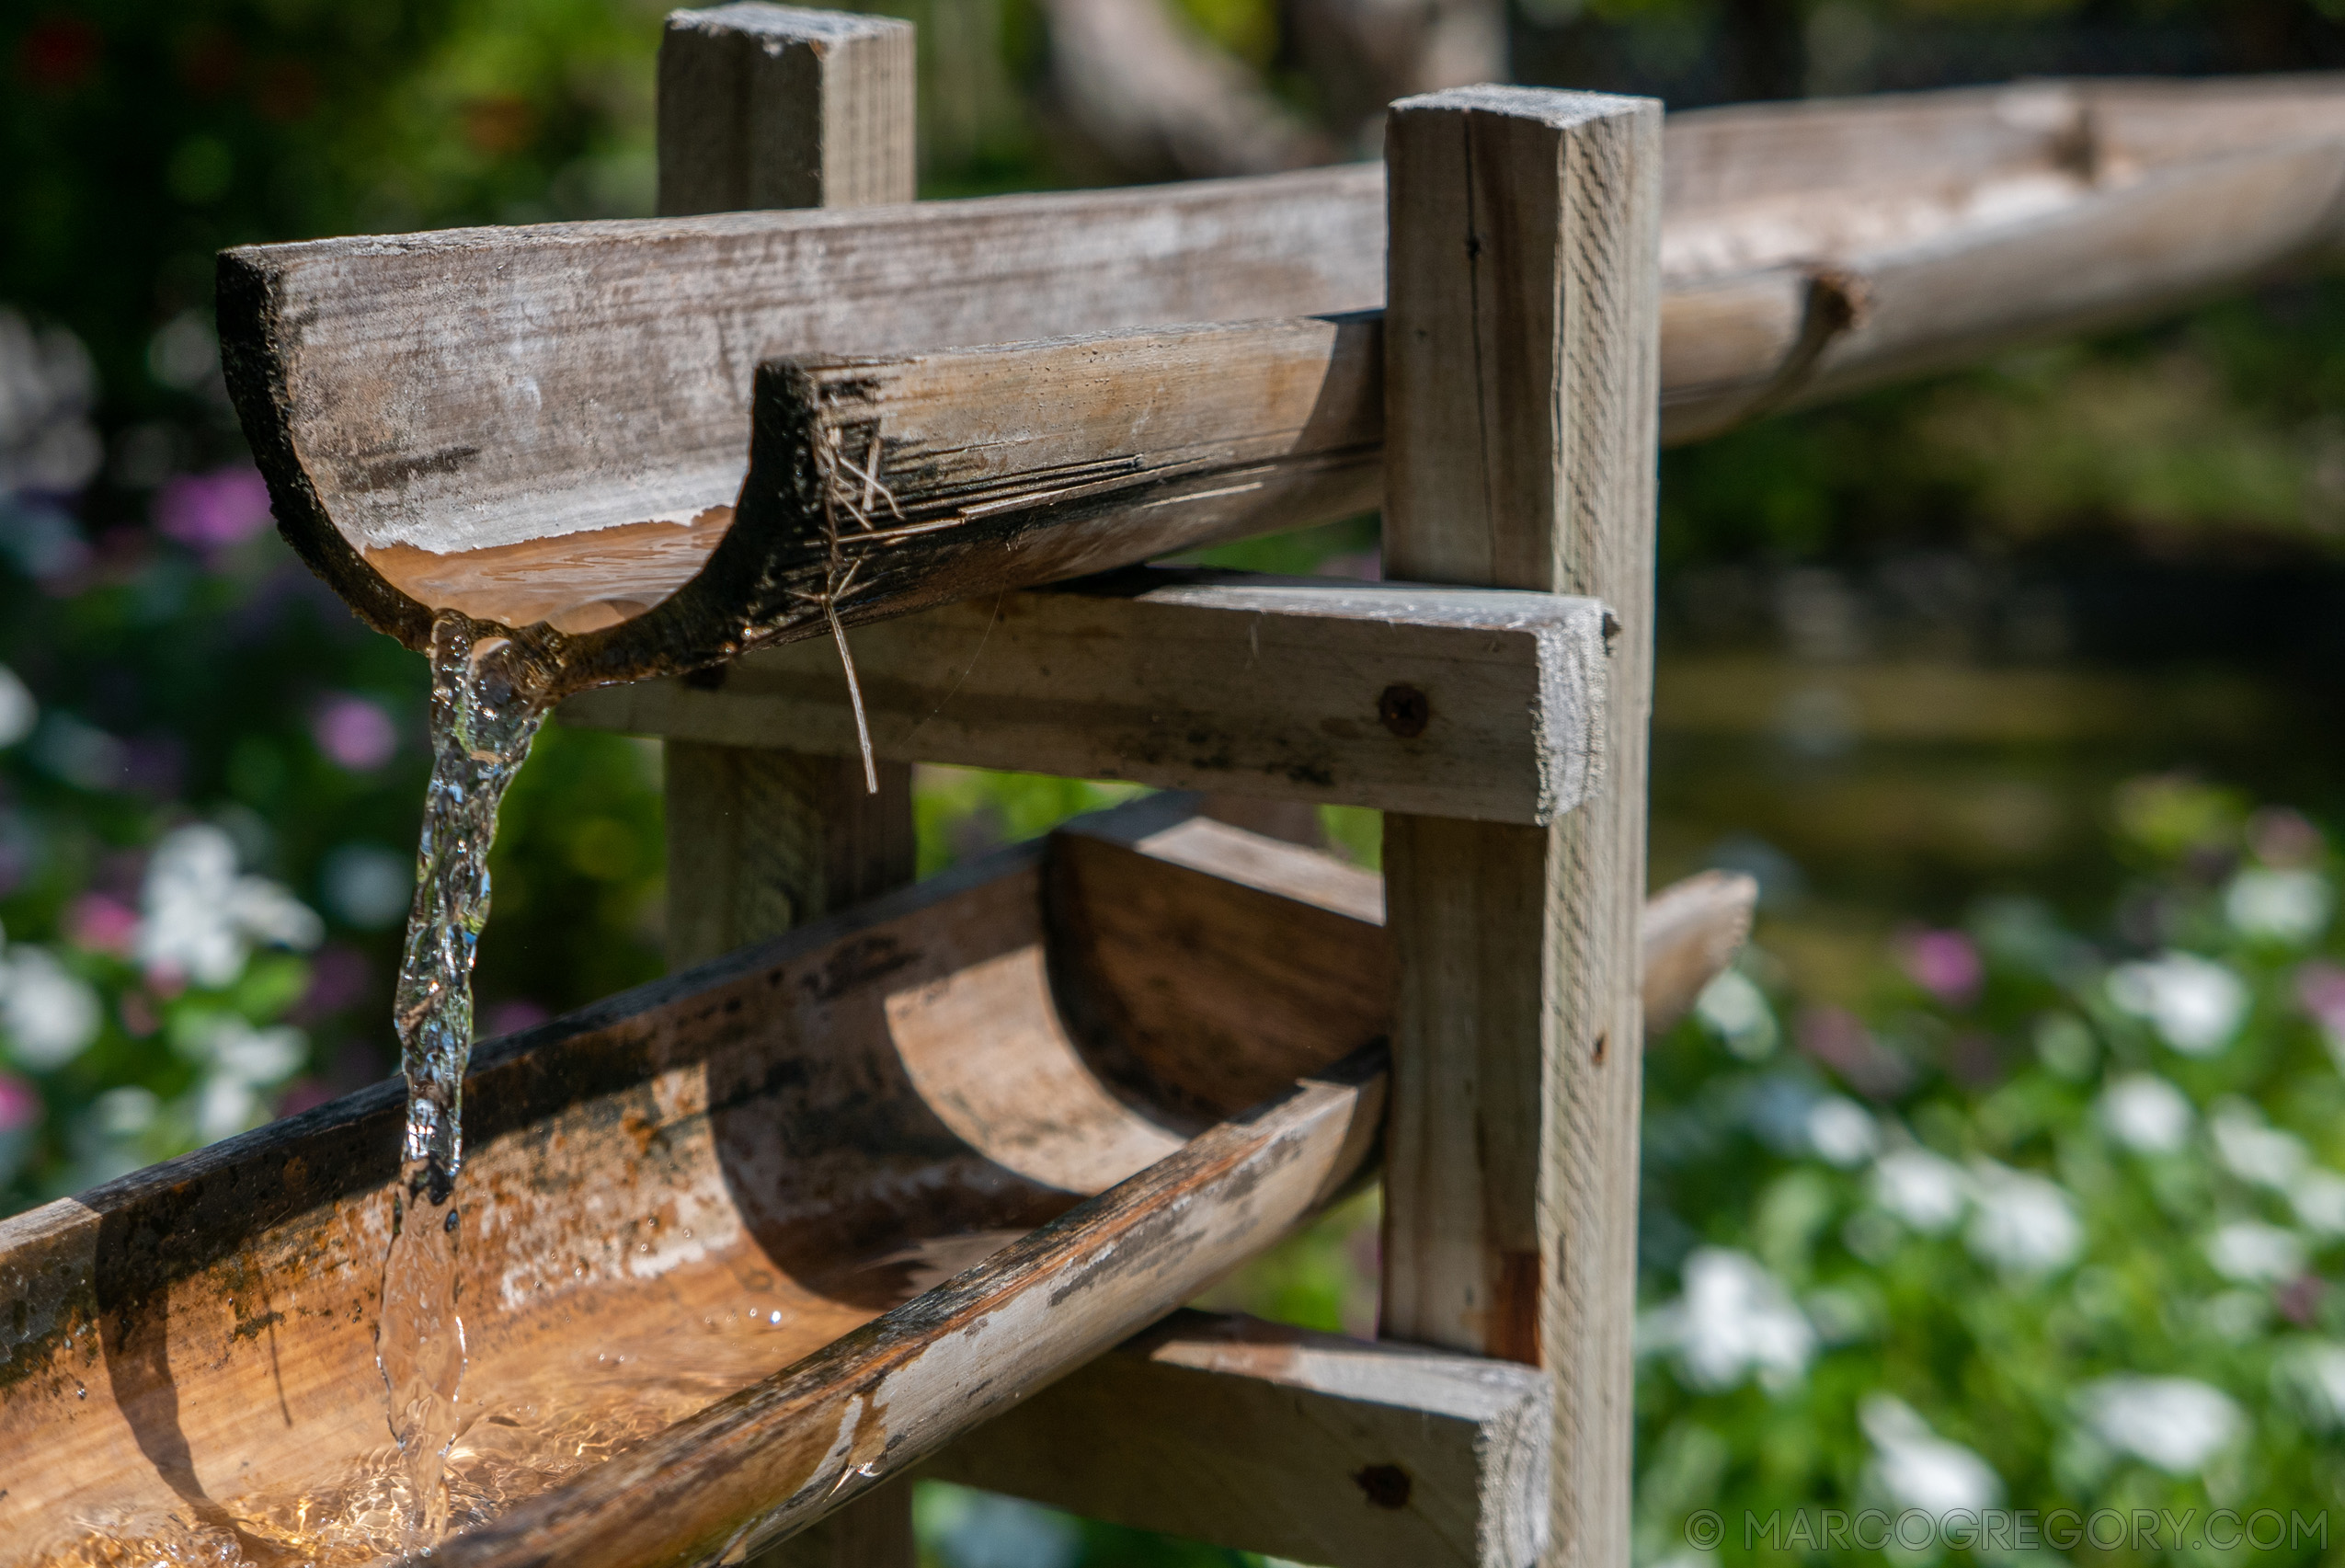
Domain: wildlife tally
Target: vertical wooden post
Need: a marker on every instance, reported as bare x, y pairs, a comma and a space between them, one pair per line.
1522, 375
766, 106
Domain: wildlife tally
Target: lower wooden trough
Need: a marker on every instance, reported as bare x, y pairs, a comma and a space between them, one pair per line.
742, 1245
739, 1244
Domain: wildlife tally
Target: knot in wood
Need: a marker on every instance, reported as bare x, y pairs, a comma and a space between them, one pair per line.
1404, 711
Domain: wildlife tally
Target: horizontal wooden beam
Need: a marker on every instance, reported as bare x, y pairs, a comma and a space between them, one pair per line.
1469, 701
1311, 1446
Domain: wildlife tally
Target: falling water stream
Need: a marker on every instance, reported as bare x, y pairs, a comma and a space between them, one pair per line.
486, 703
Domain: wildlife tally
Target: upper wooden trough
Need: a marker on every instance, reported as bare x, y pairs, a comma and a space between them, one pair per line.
552, 426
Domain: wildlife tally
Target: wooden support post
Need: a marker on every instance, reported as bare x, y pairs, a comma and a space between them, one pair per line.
1521, 388
763, 106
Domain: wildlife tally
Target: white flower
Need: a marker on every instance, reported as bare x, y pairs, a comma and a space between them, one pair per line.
2253, 1151
258, 1057
2023, 1223
2282, 906
240, 1062
225, 1106
18, 710
2253, 1253
2146, 1114
1917, 1469
49, 1014
202, 919
2319, 1198
1735, 1011
1925, 1190
125, 1112
2195, 1004
2177, 1424
1842, 1132
1734, 1319
2317, 1367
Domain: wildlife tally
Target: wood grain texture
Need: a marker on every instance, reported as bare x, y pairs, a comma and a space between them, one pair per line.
500, 391
1310, 1447
1521, 387
490, 387
823, 1127
1470, 703
766, 106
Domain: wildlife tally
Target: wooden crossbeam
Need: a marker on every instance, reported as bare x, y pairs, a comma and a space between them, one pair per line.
1311, 1446
1470, 703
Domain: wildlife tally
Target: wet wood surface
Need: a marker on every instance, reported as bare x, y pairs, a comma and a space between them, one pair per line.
494, 390
1468, 703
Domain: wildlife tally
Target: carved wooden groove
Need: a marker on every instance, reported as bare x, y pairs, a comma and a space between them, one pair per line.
1466, 702
840, 1119
821, 1129
556, 419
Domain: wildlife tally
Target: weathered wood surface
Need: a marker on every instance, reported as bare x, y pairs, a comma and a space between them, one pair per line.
1310, 1447
1468, 702
767, 106
623, 352
812, 1131
1520, 379
887, 485
555, 417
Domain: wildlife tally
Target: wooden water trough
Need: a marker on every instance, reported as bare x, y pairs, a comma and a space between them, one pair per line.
792, 1221
548, 426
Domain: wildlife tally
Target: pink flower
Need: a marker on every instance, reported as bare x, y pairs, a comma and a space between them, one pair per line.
97, 924
513, 1017
354, 733
2320, 988
304, 1094
1943, 963
19, 1104
211, 511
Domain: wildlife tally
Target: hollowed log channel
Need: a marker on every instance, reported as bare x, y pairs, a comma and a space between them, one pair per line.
548, 426
844, 1194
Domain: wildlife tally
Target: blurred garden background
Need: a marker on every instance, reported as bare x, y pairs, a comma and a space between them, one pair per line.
2006, 1168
